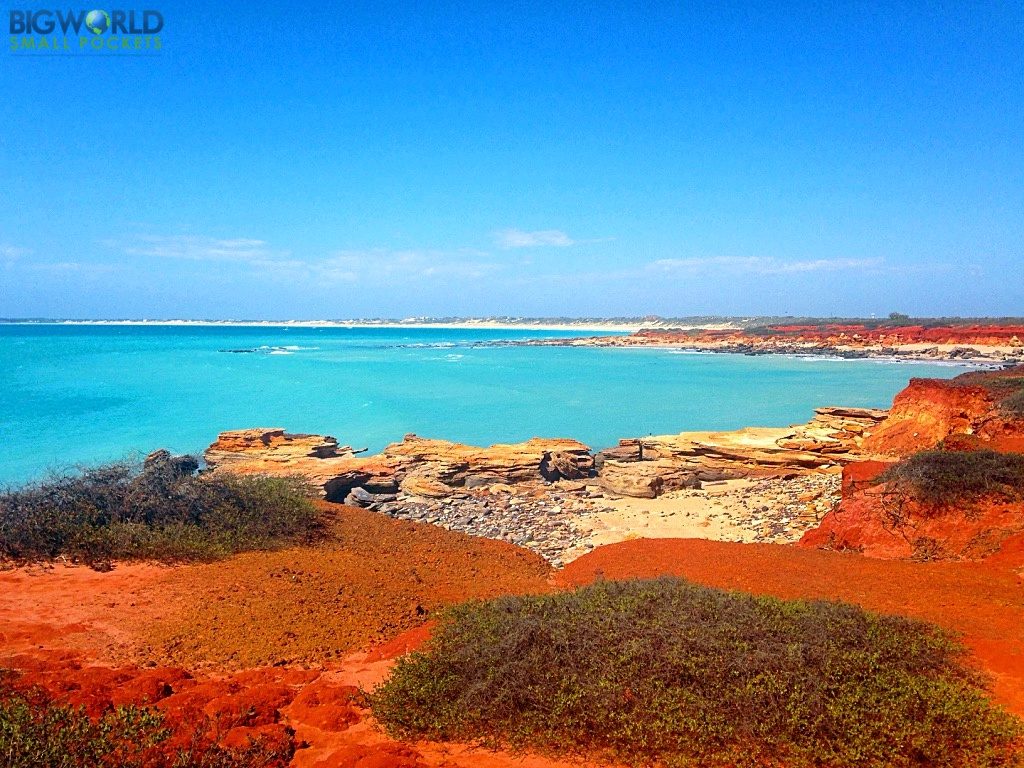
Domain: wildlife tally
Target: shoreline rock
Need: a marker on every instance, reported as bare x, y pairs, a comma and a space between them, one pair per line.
538, 493
997, 346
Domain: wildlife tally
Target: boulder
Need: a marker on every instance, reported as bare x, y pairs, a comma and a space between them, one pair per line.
566, 464
359, 497
454, 463
420, 485
646, 479
181, 466
271, 444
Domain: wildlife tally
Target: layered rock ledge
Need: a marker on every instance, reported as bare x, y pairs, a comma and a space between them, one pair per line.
651, 466
417, 466
539, 493
642, 467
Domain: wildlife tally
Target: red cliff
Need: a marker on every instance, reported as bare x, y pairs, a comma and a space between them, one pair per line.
881, 520
967, 418
978, 405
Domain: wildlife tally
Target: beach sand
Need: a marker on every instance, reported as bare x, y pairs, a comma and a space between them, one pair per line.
775, 511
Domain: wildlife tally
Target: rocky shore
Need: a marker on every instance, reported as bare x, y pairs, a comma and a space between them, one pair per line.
981, 345
559, 499
564, 520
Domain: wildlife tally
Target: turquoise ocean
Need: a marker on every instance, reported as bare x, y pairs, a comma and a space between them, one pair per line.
76, 395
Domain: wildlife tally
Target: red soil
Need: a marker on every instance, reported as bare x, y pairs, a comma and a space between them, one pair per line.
88, 637
142, 633
377, 579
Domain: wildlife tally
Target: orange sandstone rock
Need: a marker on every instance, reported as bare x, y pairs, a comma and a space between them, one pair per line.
419, 465
928, 411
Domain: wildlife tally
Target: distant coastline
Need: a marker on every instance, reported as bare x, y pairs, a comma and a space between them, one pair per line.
540, 324
991, 345
751, 323
995, 342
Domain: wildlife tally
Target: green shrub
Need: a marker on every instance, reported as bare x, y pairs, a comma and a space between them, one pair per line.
946, 478
160, 511
667, 671
35, 732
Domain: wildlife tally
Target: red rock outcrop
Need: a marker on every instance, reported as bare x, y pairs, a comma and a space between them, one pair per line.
854, 335
928, 411
879, 520
970, 412
992, 343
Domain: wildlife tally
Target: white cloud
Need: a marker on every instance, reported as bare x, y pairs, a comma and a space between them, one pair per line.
412, 264
517, 238
195, 247
8, 253
260, 259
760, 265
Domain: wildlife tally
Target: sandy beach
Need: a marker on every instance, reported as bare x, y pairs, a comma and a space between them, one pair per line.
776, 511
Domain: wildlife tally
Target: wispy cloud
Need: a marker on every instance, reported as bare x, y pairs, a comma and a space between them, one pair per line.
257, 258
195, 247
385, 263
77, 268
9, 253
517, 238
760, 265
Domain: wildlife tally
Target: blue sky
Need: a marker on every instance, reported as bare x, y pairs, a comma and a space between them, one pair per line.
545, 159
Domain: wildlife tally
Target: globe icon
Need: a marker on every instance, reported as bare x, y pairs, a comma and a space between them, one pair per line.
98, 22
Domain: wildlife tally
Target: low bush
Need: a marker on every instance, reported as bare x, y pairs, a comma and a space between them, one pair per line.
35, 732
667, 671
161, 511
943, 478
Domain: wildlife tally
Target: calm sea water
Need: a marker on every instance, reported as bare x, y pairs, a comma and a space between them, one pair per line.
85, 394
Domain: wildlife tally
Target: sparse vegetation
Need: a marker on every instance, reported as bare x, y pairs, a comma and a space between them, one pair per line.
668, 671
1007, 387
1010, 391
161, 511
36, 732
1014, 404
943, 479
